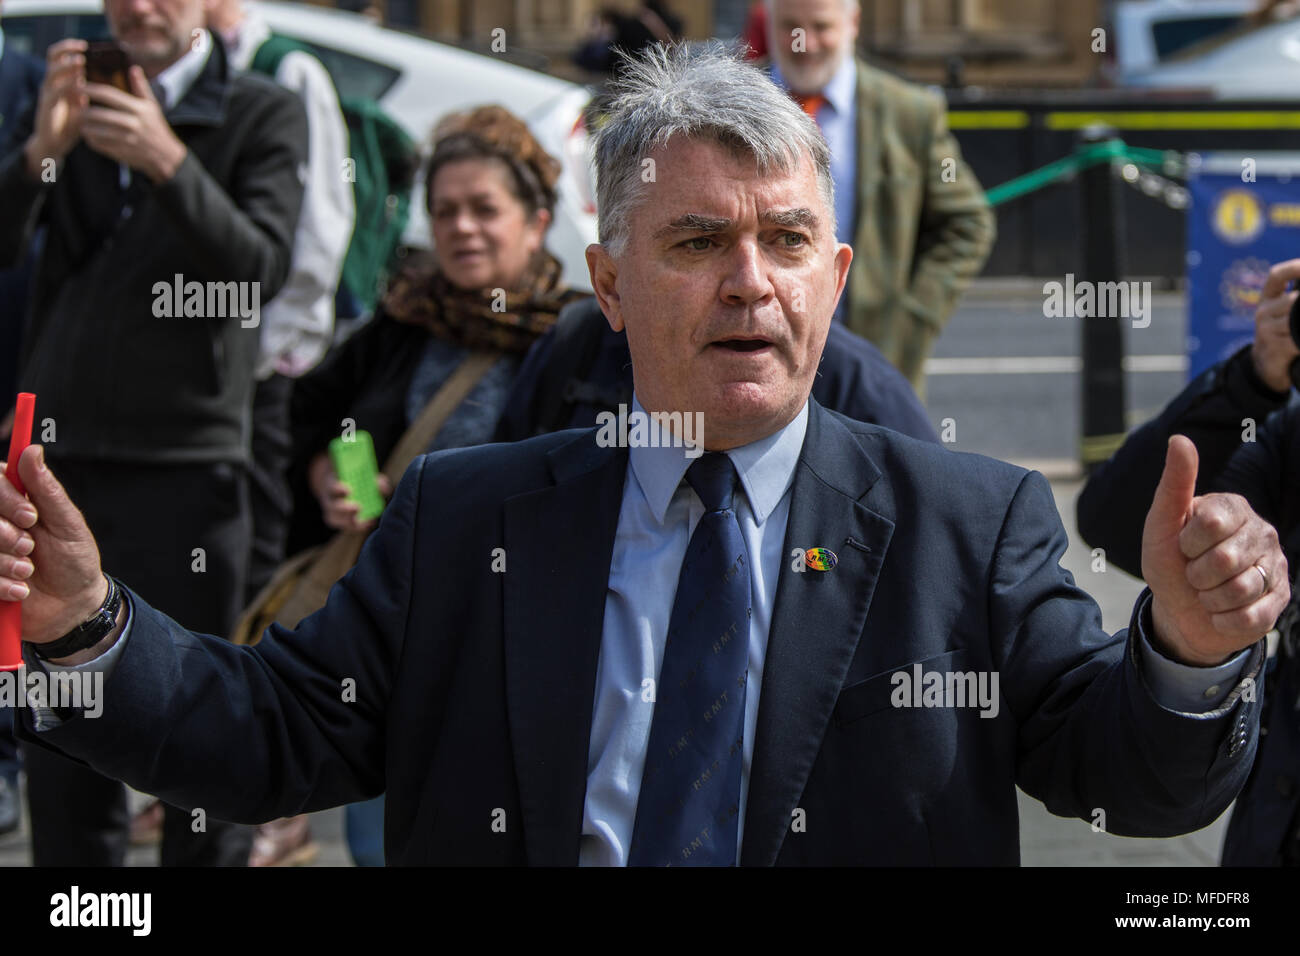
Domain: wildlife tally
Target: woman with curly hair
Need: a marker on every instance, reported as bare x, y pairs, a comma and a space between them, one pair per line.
488, 291
490, 285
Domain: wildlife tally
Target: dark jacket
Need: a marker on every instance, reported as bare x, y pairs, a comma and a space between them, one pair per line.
20, 84
475, 691
1111, 510
1210, 411
120, 381
367, 379
583, 367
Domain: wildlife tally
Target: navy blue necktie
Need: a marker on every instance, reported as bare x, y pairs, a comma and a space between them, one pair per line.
688, 810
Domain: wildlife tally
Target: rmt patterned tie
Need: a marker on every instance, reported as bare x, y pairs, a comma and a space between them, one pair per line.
688, 810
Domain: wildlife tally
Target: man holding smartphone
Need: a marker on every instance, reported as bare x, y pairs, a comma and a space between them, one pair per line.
191, 180
20, 82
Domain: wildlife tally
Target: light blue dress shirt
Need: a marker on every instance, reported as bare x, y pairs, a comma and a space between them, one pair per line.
655, 523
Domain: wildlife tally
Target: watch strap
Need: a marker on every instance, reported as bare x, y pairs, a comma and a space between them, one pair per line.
90, 632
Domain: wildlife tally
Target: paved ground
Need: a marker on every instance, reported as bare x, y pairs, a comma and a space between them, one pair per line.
327, 828
1008, 376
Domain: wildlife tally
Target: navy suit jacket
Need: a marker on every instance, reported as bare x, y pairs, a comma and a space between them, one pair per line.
467, 694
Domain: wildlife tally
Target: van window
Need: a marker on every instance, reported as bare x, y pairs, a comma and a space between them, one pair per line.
1170, 36
354, 77
35, 34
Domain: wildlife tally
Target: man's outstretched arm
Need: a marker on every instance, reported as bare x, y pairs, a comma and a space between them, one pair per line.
1157, 733
249, 734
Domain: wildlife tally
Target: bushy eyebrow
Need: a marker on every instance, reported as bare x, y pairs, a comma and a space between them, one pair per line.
799, 218
695, 222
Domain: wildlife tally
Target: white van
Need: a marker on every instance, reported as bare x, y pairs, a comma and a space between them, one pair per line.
1145, 33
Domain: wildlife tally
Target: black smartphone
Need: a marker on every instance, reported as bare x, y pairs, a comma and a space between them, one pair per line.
107, 63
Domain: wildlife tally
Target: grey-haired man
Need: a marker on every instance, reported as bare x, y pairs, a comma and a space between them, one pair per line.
819, 642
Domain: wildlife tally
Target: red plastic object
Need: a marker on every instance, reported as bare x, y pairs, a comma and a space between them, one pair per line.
11, 612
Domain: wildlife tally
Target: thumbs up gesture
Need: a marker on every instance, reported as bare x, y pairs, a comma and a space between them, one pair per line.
1217, 575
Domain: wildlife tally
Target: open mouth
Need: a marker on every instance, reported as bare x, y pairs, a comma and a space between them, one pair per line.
743, 345
141, 26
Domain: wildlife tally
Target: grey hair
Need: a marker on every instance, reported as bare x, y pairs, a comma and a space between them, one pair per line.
698, 91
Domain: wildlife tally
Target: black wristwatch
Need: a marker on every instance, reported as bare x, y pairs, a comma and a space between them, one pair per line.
90, 632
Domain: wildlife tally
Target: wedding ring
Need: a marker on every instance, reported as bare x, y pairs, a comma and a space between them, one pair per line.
1263, 574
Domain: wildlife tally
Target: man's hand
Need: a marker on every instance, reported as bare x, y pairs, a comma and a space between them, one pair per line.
1273, 350
60, 106
48, 557
132, 129
1217, 575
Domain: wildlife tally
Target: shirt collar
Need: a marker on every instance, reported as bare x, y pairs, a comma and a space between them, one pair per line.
175, 81
766, 466
839, 92
244, 39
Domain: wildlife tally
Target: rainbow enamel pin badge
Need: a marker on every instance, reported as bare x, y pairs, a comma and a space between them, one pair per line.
820, 559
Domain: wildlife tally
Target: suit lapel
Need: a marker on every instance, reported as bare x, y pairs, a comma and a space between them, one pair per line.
553, 623
817, 620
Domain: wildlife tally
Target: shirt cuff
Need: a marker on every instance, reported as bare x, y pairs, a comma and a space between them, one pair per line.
45, 718
1185, 688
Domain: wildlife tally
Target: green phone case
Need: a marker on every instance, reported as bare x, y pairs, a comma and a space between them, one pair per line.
354, 463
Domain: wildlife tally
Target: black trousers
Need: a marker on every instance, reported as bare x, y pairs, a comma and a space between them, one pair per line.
180, 536
9, 763
271, 498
